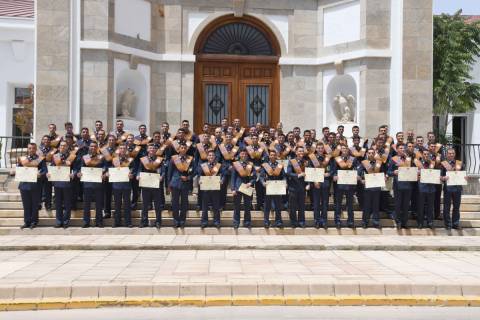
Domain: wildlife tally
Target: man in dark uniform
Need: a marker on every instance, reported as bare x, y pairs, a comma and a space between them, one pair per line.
359, 153
211, 168
83, 144
243, 173
451, 194
201, 155
371, 196
119, 132
153, 164
93, 190
272, 170
426, 195
256, 155
180, 171
30, 191
53, 136
226, 153
108, 153
344, 162
47, 152
296, 188
134, 152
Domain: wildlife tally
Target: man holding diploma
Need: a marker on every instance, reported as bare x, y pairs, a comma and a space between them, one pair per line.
426, 196
371, 196
451, 193
244, 174
92, 189
271, 171
31, 191
153, 164
211, 168
296, 188
344, 162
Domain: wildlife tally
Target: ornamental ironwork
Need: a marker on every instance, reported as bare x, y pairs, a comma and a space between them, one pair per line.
257, 105
216, 104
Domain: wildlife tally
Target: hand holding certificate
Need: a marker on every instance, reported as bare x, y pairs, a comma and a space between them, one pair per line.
408, 174
347, 177
431, 176
91, 174
118, 174
149, 180
456, 178
314, 174
209, 183
59, 173
276, 187
246, 189
26, 174
375, 180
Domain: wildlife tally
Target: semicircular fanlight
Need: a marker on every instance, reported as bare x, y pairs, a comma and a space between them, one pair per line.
238, 38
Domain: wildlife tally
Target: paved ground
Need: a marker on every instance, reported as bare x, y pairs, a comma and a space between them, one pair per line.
254, 313
239, 242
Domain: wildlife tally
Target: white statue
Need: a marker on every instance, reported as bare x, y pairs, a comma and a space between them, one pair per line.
344, 108
127, 103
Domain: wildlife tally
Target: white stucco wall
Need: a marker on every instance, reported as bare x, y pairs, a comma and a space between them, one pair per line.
16, 65
335, 30
133, 18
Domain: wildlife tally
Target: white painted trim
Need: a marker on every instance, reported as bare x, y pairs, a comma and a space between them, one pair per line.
396, 70
74, 69
17, 24
35, 21
115, 47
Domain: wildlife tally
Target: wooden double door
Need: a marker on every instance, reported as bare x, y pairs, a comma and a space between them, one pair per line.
247, 90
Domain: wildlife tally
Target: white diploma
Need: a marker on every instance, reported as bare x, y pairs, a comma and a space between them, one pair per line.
209, 183
347, 177
407, 174
149, 180
388, 184
284, 163
430, 176
26, 174
456, 178
91, 174
246, 189
118, 174
314, 174
59, 173
375, 180
276, 187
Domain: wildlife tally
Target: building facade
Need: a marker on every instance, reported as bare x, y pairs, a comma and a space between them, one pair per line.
311, 63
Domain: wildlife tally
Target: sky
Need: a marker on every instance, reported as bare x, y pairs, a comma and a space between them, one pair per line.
470, 7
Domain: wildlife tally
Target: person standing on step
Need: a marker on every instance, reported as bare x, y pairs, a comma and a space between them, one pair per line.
426, 195
296, 188
371, 196
201, 154
243, 173
180, 175
344, 162
46, 151
92, 190
272, 171
108, 153
436, 156
226, 153
153, 164
122, 190
134, 152
30, 192
256, 155
63, 189
452, 195
211, 168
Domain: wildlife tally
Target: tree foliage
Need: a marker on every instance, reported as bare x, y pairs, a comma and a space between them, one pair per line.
456, 46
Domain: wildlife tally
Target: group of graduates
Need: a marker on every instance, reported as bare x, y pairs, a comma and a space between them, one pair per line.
242, 157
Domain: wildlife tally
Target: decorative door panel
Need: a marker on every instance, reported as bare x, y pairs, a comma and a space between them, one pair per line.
257, 104
216, 102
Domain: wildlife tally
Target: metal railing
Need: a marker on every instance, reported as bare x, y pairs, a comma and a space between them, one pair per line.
11, 148
470, 156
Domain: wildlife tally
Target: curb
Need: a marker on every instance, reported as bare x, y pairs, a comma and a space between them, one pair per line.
347, 300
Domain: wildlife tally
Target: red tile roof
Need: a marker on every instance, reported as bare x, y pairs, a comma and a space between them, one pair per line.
471, 19
17, 8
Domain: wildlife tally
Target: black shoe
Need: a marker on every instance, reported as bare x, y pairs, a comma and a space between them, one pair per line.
448, 227
107, 215
419, 225
317, 225
158, 225
247, 225
203, 225
302, 225
48, 207
293, 225
398, 226
338, 225
130, 225
176, 225
25, 226
39, 207
182, 224
115, 225
377, 226
58, 225
404, 226
33, 225
456, 227
197, 208
266, 225
99, 224
236, 225
351, 225
364, 225
430, 226
143, 225
86, 225
279, 225
217, 225
65, 225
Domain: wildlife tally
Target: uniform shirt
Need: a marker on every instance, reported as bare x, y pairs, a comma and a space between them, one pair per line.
42, 170
329, 168
443, 173
354, 167
265, 176
362, 171
295, 183
63, 157
426, 187
237, 179
82, 163
392, 166
131, 166
174, 174
221, 171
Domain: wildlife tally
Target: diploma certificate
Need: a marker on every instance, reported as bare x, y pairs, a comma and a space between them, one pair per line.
456, 178
59, 173
209, 183
91, 174
118, 174
430, 176
375, 180
408, 174
149, 180
26, 174
246, 189
276, 187
314, 174
347, 177
284, 163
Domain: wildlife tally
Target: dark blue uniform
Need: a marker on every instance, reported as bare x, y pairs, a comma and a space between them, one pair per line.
243, 172
45, 185
402, 190
108, 154
296, 192
201, 152
63, 190
347, 190
371, 196
211, 196
30, 191
180, 166
121, 193
451, 195
157, 195
321, 194
226, 154
258, 155
426, 198
277, 173
134, 152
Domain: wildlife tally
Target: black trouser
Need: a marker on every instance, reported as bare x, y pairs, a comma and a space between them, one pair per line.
436, 205
402, 201
213, 197
63, 204
247, 203
46, 191
384, 201
413, 200
425, 199
371, 202
297, 205
88, 195
77, 191
260, 192
30, 201
359, 194
320, 204
223, 191
448, 198
107, 187
338, 204
135, 191
179, 204
122, 200
149, 195
277, 202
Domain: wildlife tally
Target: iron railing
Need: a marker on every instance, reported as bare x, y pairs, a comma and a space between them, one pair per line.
470, 156
11, 148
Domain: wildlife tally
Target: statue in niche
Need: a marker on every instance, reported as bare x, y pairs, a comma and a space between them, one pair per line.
344, 108
127, 103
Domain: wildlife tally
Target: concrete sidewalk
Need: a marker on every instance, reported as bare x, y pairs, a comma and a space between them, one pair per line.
239, 242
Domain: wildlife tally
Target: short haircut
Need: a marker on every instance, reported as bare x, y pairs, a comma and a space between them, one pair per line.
68, 124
